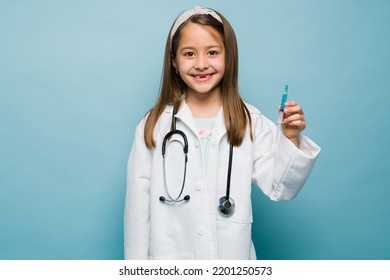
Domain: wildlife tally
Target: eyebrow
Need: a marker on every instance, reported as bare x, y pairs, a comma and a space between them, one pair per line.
208, 47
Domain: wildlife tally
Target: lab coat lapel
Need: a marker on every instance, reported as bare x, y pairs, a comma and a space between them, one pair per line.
185, 115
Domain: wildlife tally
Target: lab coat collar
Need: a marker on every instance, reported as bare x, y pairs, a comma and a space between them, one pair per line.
185, 115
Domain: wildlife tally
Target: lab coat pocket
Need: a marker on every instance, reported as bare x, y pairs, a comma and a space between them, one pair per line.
240, 186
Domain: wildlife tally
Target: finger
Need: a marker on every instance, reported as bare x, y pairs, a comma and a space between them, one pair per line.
292, 110
290, 103
295, 128
294, 114
295, 121
295, 117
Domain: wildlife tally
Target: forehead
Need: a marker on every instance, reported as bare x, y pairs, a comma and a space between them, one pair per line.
194, 34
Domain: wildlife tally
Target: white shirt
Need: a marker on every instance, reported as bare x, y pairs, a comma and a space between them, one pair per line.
195, 229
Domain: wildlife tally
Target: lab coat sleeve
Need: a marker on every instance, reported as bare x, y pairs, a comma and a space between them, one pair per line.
137, 202
281, 169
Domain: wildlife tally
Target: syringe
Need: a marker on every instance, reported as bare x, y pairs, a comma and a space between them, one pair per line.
281, 113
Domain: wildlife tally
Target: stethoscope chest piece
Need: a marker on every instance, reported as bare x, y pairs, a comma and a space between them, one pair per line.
226, 206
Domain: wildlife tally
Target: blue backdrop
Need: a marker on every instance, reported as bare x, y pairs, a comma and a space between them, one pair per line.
76, 77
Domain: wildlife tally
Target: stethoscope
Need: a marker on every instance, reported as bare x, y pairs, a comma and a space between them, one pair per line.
226, 205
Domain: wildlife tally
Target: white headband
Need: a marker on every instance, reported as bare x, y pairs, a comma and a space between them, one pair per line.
194, 11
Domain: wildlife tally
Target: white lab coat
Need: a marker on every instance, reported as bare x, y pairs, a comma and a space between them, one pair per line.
195, 229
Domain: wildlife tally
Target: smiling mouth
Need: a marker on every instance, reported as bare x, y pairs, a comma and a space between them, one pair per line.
202, 77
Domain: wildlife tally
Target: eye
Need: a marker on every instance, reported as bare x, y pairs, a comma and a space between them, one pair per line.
189, 54
213, 52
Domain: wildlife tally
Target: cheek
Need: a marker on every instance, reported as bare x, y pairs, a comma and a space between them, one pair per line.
221, 67
183, 66
221, 64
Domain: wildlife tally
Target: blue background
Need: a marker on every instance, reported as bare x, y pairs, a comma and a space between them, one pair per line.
76, 77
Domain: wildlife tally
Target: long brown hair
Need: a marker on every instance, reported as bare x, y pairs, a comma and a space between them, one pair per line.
236, 115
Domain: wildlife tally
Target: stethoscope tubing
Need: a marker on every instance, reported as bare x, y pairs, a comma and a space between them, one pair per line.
226, 205
177, 199
185, 150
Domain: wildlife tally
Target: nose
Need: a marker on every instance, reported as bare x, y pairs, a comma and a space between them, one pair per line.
201, 62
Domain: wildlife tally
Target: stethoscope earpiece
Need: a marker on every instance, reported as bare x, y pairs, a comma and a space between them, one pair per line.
185, 198
226, 206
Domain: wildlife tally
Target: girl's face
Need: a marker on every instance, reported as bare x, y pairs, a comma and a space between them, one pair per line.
200, 60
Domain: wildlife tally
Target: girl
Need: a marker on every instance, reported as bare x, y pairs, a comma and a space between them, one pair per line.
199, 149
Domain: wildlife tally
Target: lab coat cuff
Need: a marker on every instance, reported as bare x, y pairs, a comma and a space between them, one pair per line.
307, 148
298, 162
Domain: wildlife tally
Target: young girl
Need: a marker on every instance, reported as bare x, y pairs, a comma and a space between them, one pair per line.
197, 152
